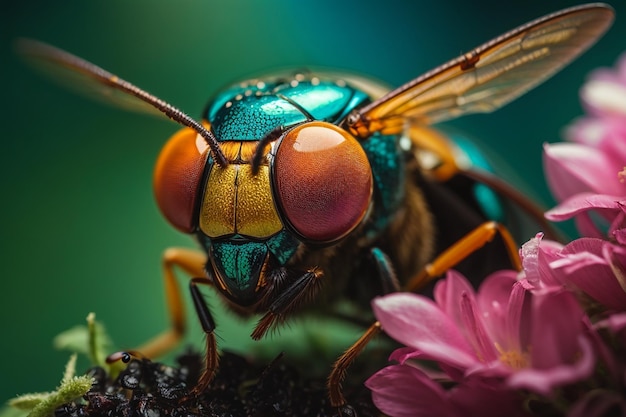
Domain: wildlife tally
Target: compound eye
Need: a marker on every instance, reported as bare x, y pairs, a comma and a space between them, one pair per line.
323, 181
177, 177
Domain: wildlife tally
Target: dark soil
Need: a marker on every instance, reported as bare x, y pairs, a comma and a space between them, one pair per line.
240, 388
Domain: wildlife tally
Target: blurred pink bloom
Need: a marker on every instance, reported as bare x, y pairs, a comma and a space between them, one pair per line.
505, 336
604, 94
594, 160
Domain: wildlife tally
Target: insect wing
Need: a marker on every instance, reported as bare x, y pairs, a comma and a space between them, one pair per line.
80, 76
92, 80
489, 76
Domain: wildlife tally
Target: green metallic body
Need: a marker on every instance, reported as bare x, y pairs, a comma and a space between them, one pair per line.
250, 111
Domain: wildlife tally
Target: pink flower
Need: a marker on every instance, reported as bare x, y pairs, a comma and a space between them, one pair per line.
572, 168
506, 336
594, 160
593, 266
604, 94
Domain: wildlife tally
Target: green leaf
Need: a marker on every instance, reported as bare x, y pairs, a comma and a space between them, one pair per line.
69, 390
91, 340
74, 340
99, 341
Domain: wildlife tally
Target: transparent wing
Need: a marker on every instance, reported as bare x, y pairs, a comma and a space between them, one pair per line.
89, 79
80, 76
489, 76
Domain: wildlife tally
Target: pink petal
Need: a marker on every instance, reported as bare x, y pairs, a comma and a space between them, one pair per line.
456, 297
608, 206
418, 322
604, 95
403, 391
448, 292
519, 329
618, 225
487, 401
403, 354
583, 202
493, 302
607, 134
475, 332
529, 254
560, 352
548, 252
556, 326
543, 381
620, 236
613, 143
572, 169
616, 323
588, 131
591, 265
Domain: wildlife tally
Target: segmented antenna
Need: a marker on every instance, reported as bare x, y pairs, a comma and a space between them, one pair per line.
258, 153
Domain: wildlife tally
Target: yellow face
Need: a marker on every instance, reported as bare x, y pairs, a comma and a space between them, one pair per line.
237, 201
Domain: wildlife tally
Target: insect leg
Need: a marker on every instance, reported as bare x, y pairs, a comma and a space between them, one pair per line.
208, 325
390, 284
192, 262
463, 248
387, 275
288, 299
446, 260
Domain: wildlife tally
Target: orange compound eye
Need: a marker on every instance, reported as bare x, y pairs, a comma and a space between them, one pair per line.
323, 181
177, 177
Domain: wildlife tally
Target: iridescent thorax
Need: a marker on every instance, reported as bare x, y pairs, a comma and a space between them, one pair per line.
252, 219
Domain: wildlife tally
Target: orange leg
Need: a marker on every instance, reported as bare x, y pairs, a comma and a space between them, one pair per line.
192, 263
463, 248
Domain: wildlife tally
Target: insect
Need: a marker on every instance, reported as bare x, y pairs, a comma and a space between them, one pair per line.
304, 180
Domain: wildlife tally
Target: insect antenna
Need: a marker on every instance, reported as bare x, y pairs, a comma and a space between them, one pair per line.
60, 58
258, 152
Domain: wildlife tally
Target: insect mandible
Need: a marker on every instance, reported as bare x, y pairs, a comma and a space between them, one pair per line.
301, 179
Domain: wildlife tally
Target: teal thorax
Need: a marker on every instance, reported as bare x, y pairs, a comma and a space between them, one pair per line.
252, 110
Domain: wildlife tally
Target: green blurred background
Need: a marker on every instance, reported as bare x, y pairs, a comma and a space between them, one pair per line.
80, 230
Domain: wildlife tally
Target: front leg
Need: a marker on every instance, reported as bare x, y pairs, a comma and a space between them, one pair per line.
191, 262
286, 300
208, 326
